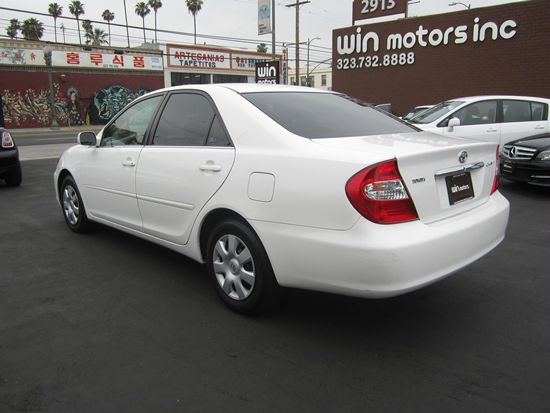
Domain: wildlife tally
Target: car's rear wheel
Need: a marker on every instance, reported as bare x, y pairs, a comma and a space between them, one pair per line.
240, 270
15, 177
73, 207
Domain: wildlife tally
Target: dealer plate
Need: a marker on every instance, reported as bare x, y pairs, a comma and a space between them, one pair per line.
459, 187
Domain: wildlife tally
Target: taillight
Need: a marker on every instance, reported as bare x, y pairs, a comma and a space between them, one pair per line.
496, 180
7, 141
378, 193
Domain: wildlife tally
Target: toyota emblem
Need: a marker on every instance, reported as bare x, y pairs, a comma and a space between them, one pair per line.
463, 156
513, 151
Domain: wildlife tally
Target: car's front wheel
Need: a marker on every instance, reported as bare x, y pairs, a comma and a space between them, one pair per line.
73, 207
240, 270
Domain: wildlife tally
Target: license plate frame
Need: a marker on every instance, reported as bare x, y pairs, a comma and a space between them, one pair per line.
459, 187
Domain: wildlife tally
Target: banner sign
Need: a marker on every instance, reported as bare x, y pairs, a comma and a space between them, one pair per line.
26, 57
264, 16
368, 9
268, 72
190, 57
91, 60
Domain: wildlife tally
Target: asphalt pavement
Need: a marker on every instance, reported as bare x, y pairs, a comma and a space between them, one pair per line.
106, 322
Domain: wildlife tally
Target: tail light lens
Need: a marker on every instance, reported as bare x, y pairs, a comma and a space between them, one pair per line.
7, 141
496, 181
378, 193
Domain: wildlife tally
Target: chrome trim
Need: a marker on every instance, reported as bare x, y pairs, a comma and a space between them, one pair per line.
468, 167
540, 176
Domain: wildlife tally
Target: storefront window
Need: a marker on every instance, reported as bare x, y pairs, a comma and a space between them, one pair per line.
189, 79
230, 79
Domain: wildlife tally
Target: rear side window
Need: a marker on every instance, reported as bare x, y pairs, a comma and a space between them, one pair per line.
189, 119
522, 111
325, 115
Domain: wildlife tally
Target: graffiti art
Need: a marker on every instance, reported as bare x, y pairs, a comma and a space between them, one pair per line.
110, 100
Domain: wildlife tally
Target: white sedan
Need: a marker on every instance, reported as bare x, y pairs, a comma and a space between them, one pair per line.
498, 119
276, 186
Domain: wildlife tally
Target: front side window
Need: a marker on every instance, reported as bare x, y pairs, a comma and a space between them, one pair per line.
479, 113
325, 115
130, 126
189, 119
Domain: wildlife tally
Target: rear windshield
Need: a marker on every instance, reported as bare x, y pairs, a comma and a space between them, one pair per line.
325, 115
435, 112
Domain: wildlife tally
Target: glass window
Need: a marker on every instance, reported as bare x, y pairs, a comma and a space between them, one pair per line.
323, 80
291, 80
516, 111
477, 113
302, 80
437, 111
325, 115
130, 126
189, 78
217, 135
229, 79
185, 121
537, 110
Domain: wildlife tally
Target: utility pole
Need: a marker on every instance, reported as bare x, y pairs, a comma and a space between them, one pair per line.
127, 31
273, 30
297, 5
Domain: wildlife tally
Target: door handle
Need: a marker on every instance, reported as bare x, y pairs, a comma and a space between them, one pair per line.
540, 127
210, 168
492, 130
128, 162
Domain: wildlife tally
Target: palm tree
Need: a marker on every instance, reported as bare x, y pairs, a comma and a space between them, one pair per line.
76, 8
88, 30
13, 28
98, 37
262, 48
32, 29
155, 5
194, 6
108, 16
55, 10
142, 10
62, 27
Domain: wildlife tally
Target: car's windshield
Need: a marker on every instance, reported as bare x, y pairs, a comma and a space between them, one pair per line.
434, 113
326, 115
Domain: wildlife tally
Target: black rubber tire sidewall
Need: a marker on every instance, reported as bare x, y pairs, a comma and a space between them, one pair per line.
82, 225
15, 177
266, 290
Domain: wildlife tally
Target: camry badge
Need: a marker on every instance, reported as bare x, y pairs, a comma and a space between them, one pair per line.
513, 151
462, 156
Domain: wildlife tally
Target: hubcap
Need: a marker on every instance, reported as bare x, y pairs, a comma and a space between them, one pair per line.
71, 207
234, 267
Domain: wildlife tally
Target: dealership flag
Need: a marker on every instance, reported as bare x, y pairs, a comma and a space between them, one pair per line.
264, 16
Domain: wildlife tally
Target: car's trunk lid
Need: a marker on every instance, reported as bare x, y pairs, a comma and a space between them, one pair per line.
444, 176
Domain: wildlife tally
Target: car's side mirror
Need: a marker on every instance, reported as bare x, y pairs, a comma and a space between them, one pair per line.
452, 123
87, 139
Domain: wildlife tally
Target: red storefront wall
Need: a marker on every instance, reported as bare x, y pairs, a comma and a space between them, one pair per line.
79, 97
517, 66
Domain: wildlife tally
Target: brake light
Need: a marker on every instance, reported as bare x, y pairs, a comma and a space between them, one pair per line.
378, 193
496, 181
7, 141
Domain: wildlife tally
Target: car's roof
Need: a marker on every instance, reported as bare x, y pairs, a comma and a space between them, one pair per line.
247, 88
488, 97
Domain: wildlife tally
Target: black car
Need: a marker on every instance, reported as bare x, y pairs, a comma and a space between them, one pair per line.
527, 160
10, 168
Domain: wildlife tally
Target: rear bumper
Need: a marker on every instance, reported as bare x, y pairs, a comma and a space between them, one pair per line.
9, 161
378, 261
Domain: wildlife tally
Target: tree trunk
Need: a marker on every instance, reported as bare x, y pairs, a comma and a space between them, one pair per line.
144, 41
109, 26
78, 25
156, 27
195, 25
55, 27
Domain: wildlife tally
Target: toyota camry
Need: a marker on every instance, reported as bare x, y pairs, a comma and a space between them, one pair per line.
278, 186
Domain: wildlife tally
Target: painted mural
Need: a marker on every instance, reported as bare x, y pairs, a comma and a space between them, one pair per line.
33, 106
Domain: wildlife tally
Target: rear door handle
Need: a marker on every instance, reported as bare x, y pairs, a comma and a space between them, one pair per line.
539, 127
492, 130
210, 168
129, 162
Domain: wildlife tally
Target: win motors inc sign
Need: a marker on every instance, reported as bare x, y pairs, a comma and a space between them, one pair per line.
268, 72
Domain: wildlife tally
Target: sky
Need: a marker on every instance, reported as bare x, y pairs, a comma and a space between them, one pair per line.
228, 18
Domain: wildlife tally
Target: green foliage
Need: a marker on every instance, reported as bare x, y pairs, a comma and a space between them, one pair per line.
32, 29
13, 28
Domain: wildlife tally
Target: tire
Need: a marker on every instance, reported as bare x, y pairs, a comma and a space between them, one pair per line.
240, 270
15, 177
73, 207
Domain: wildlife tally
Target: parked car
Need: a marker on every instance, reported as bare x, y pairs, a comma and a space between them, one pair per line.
274, 186
415, 111
499, 119
527, 160
10, 167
